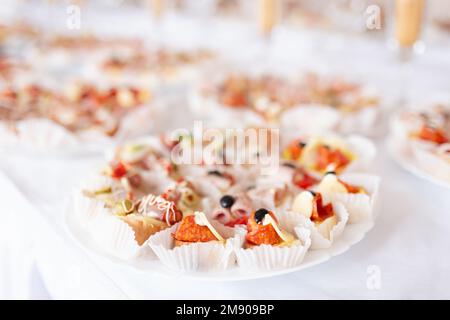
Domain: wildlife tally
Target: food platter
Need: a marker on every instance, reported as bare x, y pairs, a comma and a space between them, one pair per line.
352, 235
404, 158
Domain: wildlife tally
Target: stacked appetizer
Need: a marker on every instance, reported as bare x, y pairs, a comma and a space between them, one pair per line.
217, 215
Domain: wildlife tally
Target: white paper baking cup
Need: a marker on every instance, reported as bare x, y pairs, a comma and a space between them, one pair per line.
266, 257
43, 133
359, 206
86, 209
117, 238
201, 256
318, 241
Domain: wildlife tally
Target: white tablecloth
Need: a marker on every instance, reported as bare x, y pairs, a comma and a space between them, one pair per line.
404, 256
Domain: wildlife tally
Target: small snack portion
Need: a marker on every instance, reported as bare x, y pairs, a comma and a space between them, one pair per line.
263, 228
143, 226
294, 150
148, 216
196, 244
322, 155
267, 246
233, 210
196, 228
184, 195
310, 205
357, 192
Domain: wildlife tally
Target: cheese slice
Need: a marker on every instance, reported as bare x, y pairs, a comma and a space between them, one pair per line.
286, 237
201, 220
303, 204
331, 184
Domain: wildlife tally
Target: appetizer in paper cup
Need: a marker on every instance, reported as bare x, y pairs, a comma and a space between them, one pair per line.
196, 244
332, 153
124, 230
326, 221
356, 191
268, 247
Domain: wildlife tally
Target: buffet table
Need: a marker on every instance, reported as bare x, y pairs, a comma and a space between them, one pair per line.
405, 255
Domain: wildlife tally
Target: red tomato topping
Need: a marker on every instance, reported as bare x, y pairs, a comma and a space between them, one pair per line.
189, 231
432, 134
234, 99
294, 150
321, 212
327, 156
258, 234
118, 170
303, 180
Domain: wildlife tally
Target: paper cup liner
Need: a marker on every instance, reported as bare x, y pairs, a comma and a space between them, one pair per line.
318, 241
359, 206
117, 238
43, 133
266, 257
86, 209
201, 256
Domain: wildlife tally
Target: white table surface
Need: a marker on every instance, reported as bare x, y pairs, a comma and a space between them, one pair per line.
409, 244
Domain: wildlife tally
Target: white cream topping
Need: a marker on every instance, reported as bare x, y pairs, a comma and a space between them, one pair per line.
201, 220
286, 237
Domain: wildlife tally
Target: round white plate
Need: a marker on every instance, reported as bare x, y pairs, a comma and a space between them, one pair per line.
351, 235
402, 155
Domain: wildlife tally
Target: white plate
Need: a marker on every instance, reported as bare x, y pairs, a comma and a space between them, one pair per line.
351, 235
406, 159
